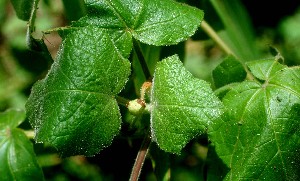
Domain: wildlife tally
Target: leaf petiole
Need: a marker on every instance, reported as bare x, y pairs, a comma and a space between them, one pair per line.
140, 158
122, 101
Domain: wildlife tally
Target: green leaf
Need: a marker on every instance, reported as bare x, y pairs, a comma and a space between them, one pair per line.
265, 68
153, 22
239, 33
166, 22
182, 105
74, 107
17, 157
23, 8
258, 136
11, 118
229, 71
74, 9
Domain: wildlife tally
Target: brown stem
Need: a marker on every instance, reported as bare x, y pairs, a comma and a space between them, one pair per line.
140, 158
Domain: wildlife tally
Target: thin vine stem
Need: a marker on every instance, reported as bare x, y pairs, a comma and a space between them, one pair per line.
213, 34
122, 101
140, 158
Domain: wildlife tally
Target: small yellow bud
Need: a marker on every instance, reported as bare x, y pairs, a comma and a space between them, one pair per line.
136, 107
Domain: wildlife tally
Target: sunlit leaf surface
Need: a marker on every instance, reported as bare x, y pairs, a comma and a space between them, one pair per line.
74, 106
182, 105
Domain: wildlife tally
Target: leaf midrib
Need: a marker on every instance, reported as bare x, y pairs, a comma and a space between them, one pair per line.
239, 128
81, 91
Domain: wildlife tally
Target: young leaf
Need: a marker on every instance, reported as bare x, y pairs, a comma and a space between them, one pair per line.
182, 105
17, 157
74, 107
153, 22
229, 71
258, 137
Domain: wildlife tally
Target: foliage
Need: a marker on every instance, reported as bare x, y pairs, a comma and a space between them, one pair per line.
128, 71
17, 154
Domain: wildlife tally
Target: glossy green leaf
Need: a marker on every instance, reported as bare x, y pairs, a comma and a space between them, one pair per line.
258, 136
17, 157
182, 105
229, 71
74, 107
152, 22
23, 8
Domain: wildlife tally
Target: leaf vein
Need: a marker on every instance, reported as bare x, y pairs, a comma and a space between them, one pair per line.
149, 26
268, 102
116, 13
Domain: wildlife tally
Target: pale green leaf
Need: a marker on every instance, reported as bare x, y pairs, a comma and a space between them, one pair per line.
182, 105
11, 118
17, 157
265, 68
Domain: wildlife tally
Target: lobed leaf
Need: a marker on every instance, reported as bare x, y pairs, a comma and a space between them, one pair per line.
258, 136
153, 22
74, 107
17, 157
182, 105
